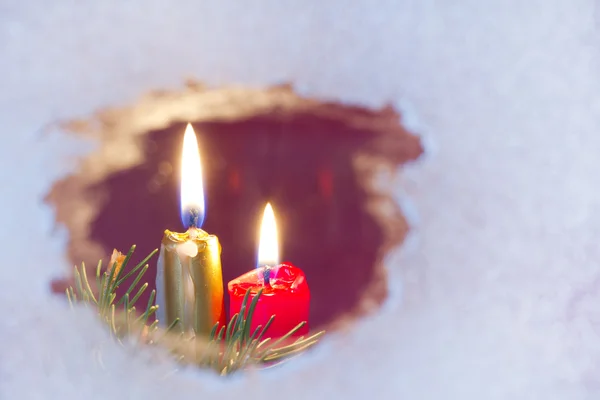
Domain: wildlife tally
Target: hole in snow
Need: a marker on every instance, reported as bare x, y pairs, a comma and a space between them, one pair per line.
318, 163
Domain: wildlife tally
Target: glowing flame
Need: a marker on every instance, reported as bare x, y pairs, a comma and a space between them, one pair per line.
192, 188
268, 248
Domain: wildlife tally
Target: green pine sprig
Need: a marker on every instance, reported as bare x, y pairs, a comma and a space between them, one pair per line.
238, 348
104, 297
227, 350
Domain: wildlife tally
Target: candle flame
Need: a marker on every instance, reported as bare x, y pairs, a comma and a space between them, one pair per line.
268, 247
192, 188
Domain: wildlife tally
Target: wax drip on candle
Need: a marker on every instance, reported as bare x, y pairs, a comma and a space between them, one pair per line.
267, 276
189, 249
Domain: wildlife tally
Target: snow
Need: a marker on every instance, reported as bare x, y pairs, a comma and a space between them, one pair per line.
496, 294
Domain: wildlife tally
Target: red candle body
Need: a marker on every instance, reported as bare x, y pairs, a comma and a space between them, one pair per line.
286, 296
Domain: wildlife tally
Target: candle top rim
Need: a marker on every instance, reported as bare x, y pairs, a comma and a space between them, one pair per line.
199, 235
286, 278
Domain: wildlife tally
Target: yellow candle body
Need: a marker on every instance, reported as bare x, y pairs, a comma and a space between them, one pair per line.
190, 287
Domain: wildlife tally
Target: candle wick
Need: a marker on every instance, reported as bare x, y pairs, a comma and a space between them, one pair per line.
267, 276
192, 218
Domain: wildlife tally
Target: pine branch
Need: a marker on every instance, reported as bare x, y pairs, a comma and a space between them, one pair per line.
227, 350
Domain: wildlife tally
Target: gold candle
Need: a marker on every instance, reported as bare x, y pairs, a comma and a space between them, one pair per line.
189, 281
192, 281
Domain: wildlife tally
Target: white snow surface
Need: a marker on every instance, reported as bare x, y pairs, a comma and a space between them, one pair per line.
497, 293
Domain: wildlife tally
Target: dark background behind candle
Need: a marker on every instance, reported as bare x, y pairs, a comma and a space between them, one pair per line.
301, 163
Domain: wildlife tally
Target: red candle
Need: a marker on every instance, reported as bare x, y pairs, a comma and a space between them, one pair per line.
285, 292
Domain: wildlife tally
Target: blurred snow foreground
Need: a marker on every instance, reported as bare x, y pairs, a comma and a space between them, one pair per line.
496, 295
